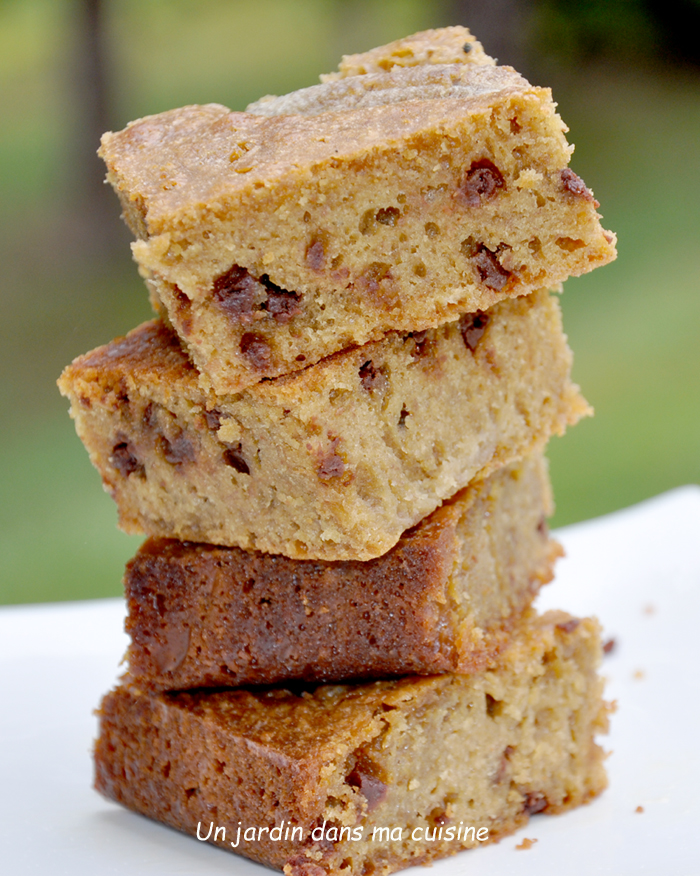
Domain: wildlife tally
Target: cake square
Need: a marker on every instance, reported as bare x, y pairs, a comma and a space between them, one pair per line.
388, 201
334, 462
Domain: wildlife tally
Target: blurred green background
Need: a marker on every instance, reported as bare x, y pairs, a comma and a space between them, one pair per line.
626, 75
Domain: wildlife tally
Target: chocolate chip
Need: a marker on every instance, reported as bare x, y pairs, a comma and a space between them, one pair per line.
331, 466
244, 298
491, 273
569, 626
609, 646
422, 344
576, 186
481, 182
213, 419
472, 326
121, 395
535, 801
256, 350
282, 305
239, 294
178, 450
402, 417
124, 459
466, 48
371, 378
316, 254
149, 415
372, 789
388, 216
438, 817
234, 457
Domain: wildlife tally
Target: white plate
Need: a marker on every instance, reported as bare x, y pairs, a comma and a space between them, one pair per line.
637, 570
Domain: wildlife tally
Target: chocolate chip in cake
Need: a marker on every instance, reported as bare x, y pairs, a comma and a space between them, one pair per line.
491, 273
371, 378
364, 777
535, 801
481, 182
576, 186
150, 415
213, 419
422, 344
569, 626
124, 459
466, 48
332, 465
239, 294
281, 305
472, 326
177, 450
233, 456
315, 255
371, 788
256, 350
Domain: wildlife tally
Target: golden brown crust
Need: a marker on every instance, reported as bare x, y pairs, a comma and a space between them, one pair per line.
333, 462
443, 599
484, 750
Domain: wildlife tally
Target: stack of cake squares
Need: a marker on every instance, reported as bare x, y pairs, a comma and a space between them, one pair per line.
333, 437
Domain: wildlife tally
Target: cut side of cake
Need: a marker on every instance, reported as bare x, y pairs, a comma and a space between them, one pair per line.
334, 462
445, 598
389, 201
371, 778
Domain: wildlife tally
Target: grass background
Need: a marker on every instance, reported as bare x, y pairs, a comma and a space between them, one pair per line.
634, 325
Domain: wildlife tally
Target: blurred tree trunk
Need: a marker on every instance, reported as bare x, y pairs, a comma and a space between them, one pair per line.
97, 207
501, 26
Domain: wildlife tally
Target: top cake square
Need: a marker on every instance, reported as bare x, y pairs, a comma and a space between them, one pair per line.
373, 202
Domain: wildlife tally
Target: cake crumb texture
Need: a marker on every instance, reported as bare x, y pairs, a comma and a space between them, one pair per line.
486, 750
